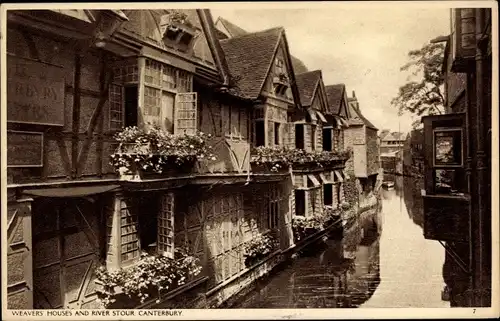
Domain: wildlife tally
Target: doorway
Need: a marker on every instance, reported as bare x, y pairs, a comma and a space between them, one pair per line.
67, 241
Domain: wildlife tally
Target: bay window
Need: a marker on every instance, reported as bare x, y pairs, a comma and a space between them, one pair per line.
164, 97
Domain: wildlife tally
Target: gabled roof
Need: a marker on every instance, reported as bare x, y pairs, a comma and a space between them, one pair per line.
232, 29
298, 65
384, 133
307, 84
357, 118
235, 31
249, 58
334, 95
398, 135
394, 136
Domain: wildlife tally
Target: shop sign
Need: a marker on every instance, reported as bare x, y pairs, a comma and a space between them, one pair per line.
24, 149
35, 92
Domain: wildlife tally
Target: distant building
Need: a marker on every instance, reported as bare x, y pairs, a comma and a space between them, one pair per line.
391, 141
392, 162
361, 136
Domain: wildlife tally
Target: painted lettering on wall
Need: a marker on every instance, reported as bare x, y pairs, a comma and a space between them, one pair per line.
24, 149
35, 92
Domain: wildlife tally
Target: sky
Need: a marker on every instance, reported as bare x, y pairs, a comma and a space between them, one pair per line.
362, 47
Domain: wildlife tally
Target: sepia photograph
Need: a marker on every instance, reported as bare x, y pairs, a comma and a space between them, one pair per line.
240, 160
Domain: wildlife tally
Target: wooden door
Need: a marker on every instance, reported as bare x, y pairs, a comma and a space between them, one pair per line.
66, 252
189, 225
224, 235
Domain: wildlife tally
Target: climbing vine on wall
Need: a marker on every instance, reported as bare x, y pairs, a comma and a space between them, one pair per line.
350, 191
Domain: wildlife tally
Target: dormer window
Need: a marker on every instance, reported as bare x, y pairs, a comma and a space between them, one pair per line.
281, 83
178, 32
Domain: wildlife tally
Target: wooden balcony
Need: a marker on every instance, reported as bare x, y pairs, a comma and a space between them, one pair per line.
446, 217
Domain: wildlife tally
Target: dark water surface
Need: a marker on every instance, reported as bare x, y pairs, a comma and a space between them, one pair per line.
384, 261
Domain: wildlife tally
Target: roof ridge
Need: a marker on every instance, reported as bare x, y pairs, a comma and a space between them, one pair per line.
225, 21
252, 34
341, 84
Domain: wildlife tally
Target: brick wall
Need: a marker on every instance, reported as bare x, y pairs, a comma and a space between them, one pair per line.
372, 156
353, 135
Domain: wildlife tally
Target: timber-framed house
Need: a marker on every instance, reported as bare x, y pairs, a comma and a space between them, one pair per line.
317, 129
87, 86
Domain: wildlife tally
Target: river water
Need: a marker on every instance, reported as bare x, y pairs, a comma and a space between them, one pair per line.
381, 262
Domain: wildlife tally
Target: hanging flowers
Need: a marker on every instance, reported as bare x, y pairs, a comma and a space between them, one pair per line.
258, 248
280, 157
151, 272
153, 149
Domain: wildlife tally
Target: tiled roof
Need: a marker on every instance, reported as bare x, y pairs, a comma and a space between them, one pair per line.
357, 117
366, 121
298, 65
249, 58
393, 136
306, 83
233, 29
220, 35
384, 133
334, 94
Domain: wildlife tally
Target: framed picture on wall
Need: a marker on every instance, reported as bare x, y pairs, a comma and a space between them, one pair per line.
448, 147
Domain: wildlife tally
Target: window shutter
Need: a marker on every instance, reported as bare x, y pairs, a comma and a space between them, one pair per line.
185, 113
116, 110
270, 133
286, 134
319, 137
166, 225
307, 137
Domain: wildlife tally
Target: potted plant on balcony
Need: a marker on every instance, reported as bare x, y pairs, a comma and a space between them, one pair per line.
150, 277
304, 227
258, 248
141, 152
271, 159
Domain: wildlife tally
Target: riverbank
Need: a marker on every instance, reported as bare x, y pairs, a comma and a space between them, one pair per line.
377, 263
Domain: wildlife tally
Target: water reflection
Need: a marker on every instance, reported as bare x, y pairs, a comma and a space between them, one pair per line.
382, 261
413, 199
341, 274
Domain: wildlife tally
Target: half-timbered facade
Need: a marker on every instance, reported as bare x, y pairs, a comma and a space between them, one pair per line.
110, 70
316, 130
78, 80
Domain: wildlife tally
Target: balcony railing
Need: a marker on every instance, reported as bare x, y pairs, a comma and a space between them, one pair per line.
282, 158
154, 151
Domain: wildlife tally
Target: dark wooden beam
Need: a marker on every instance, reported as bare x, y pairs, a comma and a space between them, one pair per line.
76, 114
105, 80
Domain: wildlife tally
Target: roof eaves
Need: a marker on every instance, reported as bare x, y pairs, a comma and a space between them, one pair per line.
276, 46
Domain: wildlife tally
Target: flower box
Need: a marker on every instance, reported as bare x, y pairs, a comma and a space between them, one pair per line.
170, 169
259, 248
269, 168
142, 153
151, 277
